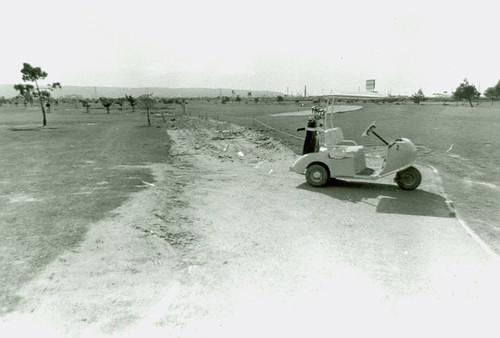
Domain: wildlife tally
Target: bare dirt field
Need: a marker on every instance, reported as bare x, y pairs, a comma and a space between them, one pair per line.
222, 240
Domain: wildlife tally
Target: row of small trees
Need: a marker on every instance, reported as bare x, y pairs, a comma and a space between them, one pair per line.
107, 102
31, 90
146, 100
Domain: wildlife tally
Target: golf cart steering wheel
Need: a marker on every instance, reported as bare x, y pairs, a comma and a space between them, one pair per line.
369, 129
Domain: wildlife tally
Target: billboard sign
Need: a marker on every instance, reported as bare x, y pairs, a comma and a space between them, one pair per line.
370, 85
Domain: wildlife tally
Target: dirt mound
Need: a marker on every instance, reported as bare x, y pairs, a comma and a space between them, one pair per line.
224, 140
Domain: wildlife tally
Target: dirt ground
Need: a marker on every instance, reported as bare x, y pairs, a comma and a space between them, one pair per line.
109, 283
194, 253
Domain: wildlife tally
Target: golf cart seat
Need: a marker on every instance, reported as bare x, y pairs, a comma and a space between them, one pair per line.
340, 149
335, 137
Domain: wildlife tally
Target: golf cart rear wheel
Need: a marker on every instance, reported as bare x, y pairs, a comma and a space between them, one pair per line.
409, 178
317, 175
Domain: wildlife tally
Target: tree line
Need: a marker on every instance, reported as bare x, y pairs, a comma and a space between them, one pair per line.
465, 91
31, 90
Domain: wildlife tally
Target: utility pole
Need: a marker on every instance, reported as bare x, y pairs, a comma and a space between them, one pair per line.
305, 91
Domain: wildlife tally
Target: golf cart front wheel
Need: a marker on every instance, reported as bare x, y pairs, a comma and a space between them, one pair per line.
409, 178
317, 175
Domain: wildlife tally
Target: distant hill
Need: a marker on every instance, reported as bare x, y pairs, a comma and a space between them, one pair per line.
90, 92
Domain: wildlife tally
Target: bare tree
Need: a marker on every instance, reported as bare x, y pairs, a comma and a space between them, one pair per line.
86, 104
106, 102
132, 101
148, 102
418, 97
466, 91
493, 93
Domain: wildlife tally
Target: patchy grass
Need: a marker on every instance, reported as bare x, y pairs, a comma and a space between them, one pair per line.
57, 180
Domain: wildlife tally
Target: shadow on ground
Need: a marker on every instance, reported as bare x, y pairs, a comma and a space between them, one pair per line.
391, 199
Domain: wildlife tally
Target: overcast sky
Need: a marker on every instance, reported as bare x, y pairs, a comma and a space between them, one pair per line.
254, 44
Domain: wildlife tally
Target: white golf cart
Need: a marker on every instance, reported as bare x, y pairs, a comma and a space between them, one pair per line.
344, 159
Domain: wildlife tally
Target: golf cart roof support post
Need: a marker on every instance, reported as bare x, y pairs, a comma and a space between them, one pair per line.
329, 115
380, 138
